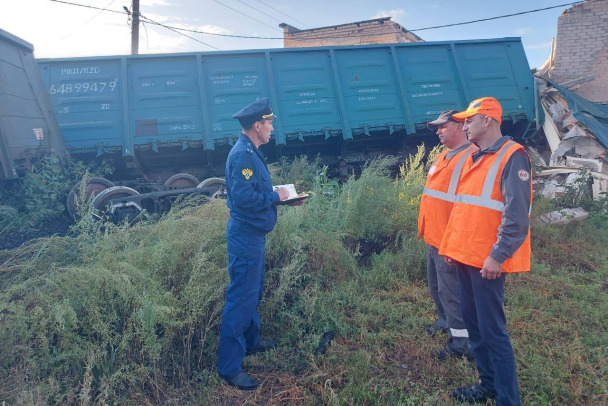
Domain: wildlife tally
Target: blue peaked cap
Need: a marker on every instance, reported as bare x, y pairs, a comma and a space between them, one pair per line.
257, 111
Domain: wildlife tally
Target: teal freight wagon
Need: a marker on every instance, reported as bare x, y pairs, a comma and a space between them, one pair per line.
167, 117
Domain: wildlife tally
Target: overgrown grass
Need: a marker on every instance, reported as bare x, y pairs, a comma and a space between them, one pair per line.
38, 196
130, 315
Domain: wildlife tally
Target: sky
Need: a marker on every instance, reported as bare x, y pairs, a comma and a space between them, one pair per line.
57, 29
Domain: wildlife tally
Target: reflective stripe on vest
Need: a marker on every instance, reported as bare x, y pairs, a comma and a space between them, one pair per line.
450, 195
485, 199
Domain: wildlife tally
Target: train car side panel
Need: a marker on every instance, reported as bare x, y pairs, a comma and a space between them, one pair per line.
87, 96
431, 81
28, 129
370, 90
231, 82
307, 98
164, 102
487, 71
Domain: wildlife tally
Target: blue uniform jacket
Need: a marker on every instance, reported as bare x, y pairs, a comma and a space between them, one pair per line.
249, 187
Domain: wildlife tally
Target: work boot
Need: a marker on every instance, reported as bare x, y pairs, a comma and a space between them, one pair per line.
434, 328
475, 394
243, 381
263, 346
446, 352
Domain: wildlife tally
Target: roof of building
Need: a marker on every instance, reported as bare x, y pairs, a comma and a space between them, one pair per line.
290, 29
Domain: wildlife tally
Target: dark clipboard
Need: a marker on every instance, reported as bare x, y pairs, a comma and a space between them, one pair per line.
295, 199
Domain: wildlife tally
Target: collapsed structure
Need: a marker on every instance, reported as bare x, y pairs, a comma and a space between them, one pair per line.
573, 89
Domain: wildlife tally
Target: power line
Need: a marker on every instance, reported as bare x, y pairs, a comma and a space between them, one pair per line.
212, 33
259, 11
255, 19
176, 30
147, 37
278, 11
374, 34
90, 19
495, 18
84, 5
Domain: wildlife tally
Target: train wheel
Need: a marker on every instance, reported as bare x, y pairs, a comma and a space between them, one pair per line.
118, 211
180, 181
218, 183
96, 186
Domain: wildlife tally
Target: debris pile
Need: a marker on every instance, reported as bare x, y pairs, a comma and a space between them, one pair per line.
576, 130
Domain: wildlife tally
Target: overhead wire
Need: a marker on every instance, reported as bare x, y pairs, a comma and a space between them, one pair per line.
174, 29
213, 33
147, 37
279, 11
178, 29
84, 5
90, 19
496, 18
373, 34
241, 13
259, 11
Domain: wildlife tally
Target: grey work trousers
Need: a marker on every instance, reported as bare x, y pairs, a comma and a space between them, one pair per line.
443, 285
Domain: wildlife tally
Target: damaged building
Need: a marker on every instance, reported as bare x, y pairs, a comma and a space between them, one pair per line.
573, 91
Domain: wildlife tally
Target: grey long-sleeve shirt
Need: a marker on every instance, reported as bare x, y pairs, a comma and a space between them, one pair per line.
515, 187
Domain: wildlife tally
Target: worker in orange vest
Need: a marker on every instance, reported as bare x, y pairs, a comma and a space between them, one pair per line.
488, 235
435, 207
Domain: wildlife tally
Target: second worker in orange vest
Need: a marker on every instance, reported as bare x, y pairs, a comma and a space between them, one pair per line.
488, 234
435, 207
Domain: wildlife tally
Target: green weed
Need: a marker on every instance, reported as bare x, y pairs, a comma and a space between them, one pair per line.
129, 314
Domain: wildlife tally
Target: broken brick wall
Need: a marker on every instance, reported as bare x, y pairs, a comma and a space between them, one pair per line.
582, 49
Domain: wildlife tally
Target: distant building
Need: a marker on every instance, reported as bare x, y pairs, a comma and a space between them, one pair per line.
376, 31
582, 49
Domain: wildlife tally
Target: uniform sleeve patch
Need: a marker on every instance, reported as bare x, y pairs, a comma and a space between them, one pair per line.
247, 173
524, 175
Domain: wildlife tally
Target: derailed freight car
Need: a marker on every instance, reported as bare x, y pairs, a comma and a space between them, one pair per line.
28, 129
168, 118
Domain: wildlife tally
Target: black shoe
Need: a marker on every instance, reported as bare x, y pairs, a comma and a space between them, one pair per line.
446, 353
433, 329
243, 381
263, 346
475, 394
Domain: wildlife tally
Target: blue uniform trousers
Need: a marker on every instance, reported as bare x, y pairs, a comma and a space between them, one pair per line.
240, 328
481, 301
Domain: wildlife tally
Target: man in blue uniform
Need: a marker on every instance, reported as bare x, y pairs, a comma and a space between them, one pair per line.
253, 213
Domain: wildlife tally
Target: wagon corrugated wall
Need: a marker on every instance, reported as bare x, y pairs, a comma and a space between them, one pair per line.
28, 129
173, 111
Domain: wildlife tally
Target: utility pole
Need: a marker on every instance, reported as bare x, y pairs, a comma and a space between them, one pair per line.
135, 29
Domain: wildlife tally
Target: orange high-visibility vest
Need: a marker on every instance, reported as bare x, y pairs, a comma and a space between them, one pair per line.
477, 213
439, 194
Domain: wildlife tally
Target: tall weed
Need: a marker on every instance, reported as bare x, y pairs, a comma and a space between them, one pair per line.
130, 314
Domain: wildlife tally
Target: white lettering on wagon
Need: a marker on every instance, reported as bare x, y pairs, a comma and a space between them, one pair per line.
87, 70
427, 94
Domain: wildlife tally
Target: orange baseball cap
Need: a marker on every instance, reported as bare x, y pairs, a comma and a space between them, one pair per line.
488, 106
